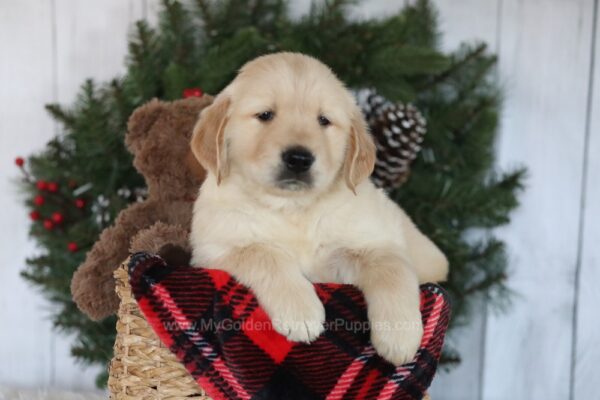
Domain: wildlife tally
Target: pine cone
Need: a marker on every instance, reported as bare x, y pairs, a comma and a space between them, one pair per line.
370, 102
398, 131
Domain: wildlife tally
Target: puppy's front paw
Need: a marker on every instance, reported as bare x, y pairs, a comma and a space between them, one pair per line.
398, 340
299, 316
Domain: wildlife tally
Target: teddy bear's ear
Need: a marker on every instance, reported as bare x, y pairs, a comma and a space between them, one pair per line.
207, 138
140, 122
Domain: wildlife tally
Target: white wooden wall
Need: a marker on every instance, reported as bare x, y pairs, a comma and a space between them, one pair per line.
47, 49
548, 346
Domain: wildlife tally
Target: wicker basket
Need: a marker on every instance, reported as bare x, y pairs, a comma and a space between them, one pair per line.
142, 367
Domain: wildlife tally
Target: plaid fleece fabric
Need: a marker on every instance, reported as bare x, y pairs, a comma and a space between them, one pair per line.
225, 340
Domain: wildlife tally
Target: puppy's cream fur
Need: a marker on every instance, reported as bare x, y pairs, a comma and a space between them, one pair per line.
278, 241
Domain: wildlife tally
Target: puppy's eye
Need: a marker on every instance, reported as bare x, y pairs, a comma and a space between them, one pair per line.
323, 121
265, 116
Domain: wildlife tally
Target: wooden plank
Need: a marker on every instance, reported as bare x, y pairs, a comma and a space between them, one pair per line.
151, 10
91, 42
376, 8
362, 10
463, 382
466, 21
26, 71
587, 351
8, 393
544, 60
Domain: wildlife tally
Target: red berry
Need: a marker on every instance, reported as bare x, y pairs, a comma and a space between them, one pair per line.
52, 187
72, 246
42, 185
35, 215
48, 224
58, 218
79, 203
39, 200
19, 161
192, 92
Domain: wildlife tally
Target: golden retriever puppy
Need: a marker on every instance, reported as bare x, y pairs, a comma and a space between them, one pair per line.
288, 202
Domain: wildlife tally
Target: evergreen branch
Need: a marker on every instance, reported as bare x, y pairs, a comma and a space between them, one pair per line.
141, 45
472, 114
449, 358
206, 14
330, 12
485, 285
256, 9
454, 68
61, 115
513, 181
474, 81
337, 6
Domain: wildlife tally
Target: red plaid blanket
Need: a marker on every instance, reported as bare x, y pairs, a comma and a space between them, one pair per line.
217, 330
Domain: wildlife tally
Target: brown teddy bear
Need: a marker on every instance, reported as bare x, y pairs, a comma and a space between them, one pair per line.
158, 136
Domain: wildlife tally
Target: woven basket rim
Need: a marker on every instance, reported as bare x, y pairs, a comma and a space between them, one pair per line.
142, 367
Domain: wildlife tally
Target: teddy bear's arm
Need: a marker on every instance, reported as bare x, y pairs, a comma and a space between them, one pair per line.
170, 241
93, 286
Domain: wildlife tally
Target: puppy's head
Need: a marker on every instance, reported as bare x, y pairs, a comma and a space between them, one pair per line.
287, 125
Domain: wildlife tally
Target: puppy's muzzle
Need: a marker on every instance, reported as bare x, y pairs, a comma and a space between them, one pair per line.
297, 159
295, 173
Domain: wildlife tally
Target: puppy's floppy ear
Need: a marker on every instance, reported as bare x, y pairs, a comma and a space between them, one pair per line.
207, 140
360, 154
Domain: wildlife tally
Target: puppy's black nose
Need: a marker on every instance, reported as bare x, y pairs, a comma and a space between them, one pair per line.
297, 159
